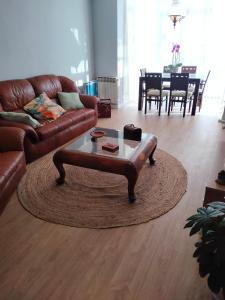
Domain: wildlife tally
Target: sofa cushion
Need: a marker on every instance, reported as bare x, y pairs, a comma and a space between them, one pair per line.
43, 108
9, 162
68, 119
50, 84
70, 100
21, 118
14, 94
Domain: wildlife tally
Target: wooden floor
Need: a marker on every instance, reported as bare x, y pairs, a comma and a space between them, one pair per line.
40, 260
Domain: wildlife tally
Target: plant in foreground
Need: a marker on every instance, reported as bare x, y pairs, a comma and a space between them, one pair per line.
210, 249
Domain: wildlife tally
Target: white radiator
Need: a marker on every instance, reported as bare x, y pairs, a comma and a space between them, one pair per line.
108, 88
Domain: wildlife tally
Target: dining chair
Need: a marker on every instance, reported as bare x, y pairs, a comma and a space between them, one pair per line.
143, 71
179, 91
189, 69
154, 92
201, 90
166, 84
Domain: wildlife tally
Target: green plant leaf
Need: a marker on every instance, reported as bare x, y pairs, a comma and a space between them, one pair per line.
204, 268
189, 224
196, 228
217, 205
197, 252
213, 282
194, 217
221, 223
202, 210
208, 237
216, 213
198, 244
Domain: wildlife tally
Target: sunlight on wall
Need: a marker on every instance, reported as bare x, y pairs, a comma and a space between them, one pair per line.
75, 34
81, 70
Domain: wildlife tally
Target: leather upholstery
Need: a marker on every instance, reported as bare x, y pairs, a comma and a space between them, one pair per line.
68, 85
11, 139
30, 131
68, 119
49, 84
12, 161
14, 94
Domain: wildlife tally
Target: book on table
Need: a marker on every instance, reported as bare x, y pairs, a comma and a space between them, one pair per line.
110, 147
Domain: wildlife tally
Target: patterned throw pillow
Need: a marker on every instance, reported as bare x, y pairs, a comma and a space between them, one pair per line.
43, 108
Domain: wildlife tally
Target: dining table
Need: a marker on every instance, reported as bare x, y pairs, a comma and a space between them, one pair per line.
193, 79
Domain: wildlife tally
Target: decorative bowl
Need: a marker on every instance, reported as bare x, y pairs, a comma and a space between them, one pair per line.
97, 133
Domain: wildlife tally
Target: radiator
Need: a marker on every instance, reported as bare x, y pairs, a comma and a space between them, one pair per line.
108, 88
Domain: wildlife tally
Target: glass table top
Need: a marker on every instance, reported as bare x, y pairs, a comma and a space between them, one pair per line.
126, 147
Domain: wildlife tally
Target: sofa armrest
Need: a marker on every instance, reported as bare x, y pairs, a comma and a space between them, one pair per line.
89, 101
30, 132
68, 85
11, 139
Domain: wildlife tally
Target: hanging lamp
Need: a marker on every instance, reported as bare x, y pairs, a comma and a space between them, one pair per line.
176, 14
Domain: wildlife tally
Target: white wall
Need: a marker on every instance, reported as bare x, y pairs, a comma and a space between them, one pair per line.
46, 37
105, 37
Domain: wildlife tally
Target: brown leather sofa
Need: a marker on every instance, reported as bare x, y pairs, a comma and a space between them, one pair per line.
15, 94
12, 161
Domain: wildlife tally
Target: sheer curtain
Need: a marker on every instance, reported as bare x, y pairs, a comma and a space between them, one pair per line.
149, 35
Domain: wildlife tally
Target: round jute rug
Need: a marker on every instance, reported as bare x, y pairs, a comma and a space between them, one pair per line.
97, 199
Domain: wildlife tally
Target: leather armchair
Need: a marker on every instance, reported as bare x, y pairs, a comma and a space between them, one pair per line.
12, 161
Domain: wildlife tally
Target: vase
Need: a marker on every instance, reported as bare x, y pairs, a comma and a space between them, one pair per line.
174, 70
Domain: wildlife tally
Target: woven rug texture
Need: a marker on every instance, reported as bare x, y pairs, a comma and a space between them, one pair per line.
97, 199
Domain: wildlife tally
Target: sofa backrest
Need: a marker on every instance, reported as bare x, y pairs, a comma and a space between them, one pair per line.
49, 84
15, 94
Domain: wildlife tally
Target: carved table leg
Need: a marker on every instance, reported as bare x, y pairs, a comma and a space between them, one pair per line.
151, 159
132, 179
61, 170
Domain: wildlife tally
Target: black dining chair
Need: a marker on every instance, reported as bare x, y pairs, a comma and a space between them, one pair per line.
154, 92
189, 69
166, 84
179, 91
143, 71
201, 90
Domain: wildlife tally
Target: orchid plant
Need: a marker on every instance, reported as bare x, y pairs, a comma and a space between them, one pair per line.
175, 59
176, 54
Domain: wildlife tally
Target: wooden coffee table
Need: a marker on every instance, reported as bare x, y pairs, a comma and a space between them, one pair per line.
127, 161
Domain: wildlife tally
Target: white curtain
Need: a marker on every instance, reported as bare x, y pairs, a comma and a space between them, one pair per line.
149, 36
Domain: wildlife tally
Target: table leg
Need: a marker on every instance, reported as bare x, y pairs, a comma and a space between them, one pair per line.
140, 98
61, 170
132, 179
197, 84
151, 159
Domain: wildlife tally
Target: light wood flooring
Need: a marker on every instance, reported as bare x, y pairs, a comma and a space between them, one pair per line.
151, 261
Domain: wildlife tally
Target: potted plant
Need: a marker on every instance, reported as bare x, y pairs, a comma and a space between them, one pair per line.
210, 249
173, 68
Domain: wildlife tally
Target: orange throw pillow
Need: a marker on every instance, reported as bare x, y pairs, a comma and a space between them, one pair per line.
43, 108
